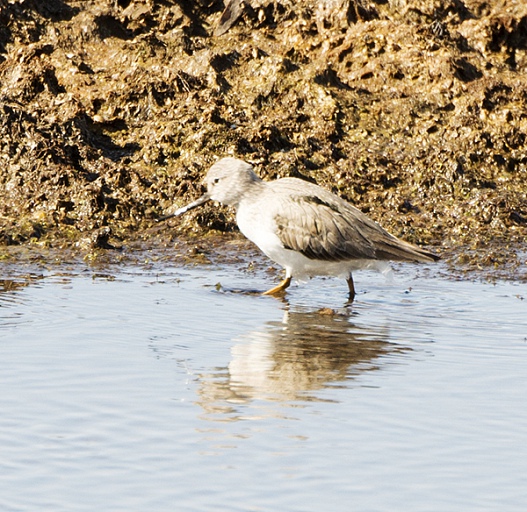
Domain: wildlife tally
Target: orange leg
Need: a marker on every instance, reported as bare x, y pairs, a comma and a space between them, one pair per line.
279, 288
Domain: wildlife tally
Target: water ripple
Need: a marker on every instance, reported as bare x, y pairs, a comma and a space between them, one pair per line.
154, 387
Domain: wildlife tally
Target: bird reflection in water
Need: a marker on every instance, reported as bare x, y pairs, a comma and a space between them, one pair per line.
293, 361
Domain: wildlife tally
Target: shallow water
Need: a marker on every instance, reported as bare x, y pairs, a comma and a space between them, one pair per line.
154, 388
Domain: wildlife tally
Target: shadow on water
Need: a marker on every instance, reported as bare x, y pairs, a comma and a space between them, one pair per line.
293, 361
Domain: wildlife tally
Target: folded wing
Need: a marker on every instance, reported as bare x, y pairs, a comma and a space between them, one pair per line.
322, 226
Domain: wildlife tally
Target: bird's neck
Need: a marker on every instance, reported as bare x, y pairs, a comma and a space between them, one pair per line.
252, 191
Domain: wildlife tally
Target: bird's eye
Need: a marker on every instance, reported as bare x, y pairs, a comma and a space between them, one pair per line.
216, 181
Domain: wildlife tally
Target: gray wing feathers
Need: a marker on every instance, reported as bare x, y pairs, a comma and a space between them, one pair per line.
324, 227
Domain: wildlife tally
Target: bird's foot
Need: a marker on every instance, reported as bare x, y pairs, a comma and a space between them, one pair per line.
279, 289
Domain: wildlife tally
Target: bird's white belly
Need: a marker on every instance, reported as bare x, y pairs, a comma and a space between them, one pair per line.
261, 230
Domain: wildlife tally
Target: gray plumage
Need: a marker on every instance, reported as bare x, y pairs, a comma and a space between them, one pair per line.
323, 226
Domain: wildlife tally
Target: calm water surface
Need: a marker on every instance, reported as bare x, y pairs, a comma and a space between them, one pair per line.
152, 389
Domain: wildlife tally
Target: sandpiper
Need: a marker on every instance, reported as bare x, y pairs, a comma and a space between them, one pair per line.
304, 228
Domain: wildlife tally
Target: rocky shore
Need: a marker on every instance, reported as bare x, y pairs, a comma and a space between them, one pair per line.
414, 111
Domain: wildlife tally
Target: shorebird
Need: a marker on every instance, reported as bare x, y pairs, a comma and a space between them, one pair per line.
304, 228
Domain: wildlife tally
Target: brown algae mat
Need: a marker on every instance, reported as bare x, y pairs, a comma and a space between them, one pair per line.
414, 111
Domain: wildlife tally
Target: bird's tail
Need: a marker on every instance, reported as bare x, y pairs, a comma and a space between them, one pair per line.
399, 250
